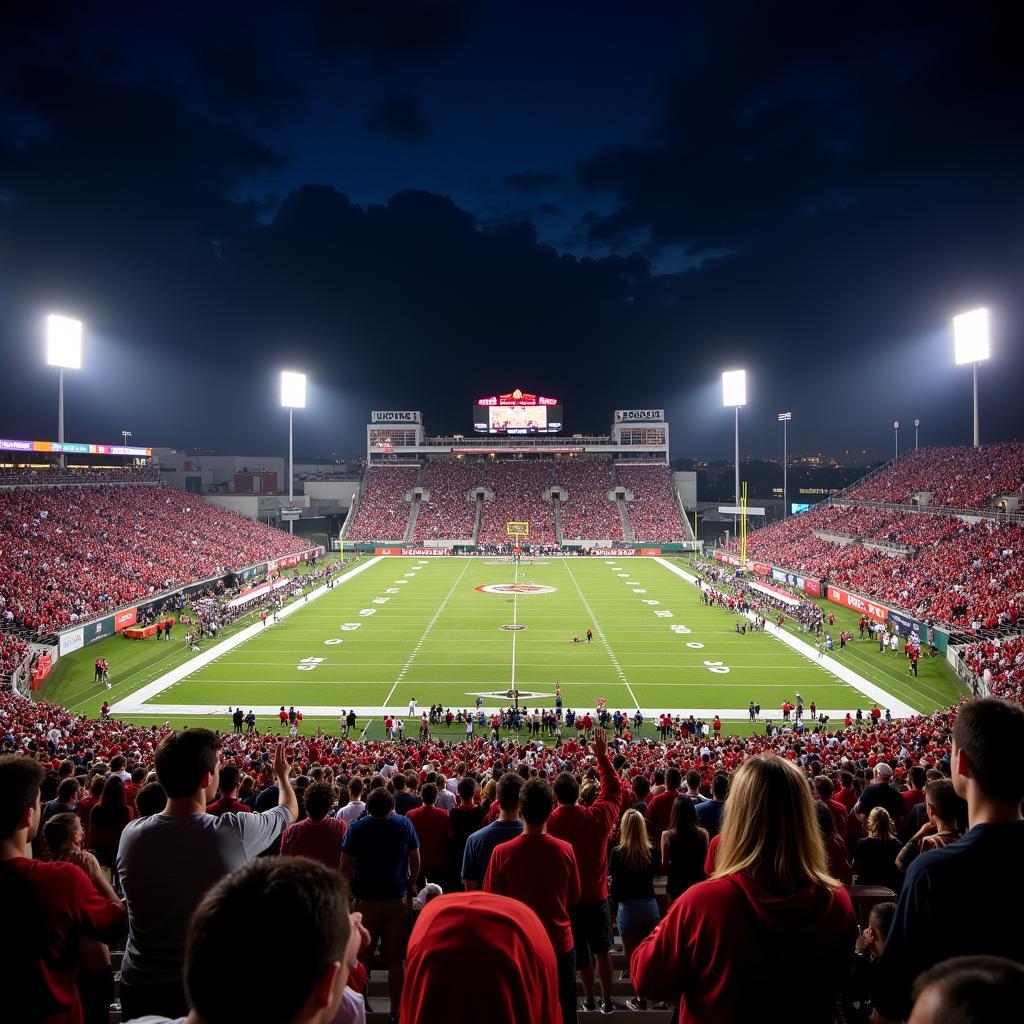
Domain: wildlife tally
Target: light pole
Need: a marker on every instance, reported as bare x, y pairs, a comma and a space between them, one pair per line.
784, 418
734, 393
917, 423
293, 396
125, 434
63, 350
970, 345
896, 427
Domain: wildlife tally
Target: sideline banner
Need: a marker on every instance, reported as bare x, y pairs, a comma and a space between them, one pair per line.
904, 624
761, 568
724, 556
785, 598
73, 640
864, 605
650, 552
812, 587
125, 618
99, 630
426, 551
617, 552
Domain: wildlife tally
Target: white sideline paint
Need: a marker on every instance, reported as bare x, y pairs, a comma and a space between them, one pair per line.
133, 704
837, 668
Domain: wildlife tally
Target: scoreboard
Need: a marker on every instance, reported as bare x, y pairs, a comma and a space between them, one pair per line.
518, 412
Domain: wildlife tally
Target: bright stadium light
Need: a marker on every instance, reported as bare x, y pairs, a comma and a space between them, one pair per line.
970, 345
63, 350
293, 396
734, 393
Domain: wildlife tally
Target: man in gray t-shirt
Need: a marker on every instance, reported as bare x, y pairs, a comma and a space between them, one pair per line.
169, 861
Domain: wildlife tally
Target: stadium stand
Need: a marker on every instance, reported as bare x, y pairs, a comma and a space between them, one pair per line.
448, 514
587, 514
12, 653
383, 512
653, 512
70, 553
517, 488
1003, 660
955, 477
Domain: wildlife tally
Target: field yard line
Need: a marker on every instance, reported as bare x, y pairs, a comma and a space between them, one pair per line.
426, 633
600, 633
515, 620
837, 668
132, 702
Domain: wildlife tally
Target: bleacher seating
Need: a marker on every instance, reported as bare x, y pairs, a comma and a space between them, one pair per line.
12, 653
653, 512
517, 488
448, 515
72, 553
587, 514
956, 477
383, 512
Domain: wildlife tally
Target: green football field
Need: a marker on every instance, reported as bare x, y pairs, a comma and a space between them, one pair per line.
399, 628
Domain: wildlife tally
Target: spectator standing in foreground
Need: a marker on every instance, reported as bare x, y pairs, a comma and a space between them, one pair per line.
381, 856
587, 829
508, 825
319, 835
881, 794
183, 851
230, 779
316, 947
930, 924
770, 905
431, 827
514, 871
355, 808
709, 813
48, 909
684, 848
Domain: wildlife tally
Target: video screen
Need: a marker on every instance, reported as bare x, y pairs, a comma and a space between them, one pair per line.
517, 419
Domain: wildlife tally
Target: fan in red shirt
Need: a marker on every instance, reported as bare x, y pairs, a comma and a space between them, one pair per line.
506, 944
540, 871
659, 808
587, 829
433, 831
771, 904
319, 835
48, 907
228, 802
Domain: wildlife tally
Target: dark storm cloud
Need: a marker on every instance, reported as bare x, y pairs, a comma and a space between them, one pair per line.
534, 182
242, 77
399, 117
393, 32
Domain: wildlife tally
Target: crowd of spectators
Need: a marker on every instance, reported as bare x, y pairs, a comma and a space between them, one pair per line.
778, 825
955, 477
12, 654
653, 512
954, 571
587, 513
383, 512
450, 513
23, 476
518, 489
70, 554
999, 664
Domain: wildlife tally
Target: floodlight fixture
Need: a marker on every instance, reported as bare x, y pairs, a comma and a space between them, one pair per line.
970, 345
734, 388
63, 342
293, 390
970, 336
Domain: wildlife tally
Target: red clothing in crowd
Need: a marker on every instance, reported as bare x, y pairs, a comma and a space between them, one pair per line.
228, 805
431, 826
847, 797
510, 950
910, 798
586, 830
712, 854
659, 812
317, 838
723, 937
518, 866
67, 908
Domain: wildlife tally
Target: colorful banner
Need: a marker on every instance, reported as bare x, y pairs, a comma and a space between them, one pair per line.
864, 605
612, 551
761, 568
98, 630
388, 551
125, 618
766, 588
426, 551
650, 552
903, 624
72, 640
812, 587
73, 448
725, 556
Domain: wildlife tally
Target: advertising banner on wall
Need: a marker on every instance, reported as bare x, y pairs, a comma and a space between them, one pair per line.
616, 552
904, 624
760, 568
99, 630
812, 587
725, 556
72, 640
125, 618
795, 579
864, 605
650, 552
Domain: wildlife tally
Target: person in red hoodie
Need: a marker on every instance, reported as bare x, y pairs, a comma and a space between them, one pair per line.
432, 829
587, 829
771, 904
539, 870
506, 944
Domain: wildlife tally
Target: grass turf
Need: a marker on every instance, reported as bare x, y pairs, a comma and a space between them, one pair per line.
419, 628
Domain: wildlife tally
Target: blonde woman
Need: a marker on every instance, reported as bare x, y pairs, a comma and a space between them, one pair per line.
769, 906
632, 866
874, 857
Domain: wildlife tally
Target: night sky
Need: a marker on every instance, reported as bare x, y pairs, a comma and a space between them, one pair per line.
419, 204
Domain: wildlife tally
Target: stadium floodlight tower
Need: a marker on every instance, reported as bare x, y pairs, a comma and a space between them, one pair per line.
917, 423
293, 396
784, 418
970, 344
734, 394
896, 428
63, 350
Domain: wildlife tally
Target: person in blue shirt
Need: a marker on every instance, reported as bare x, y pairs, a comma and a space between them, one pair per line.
481, 844
709, 813
965, 899
380, 856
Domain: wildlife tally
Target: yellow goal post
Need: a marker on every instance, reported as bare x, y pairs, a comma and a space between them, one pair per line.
517, 530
